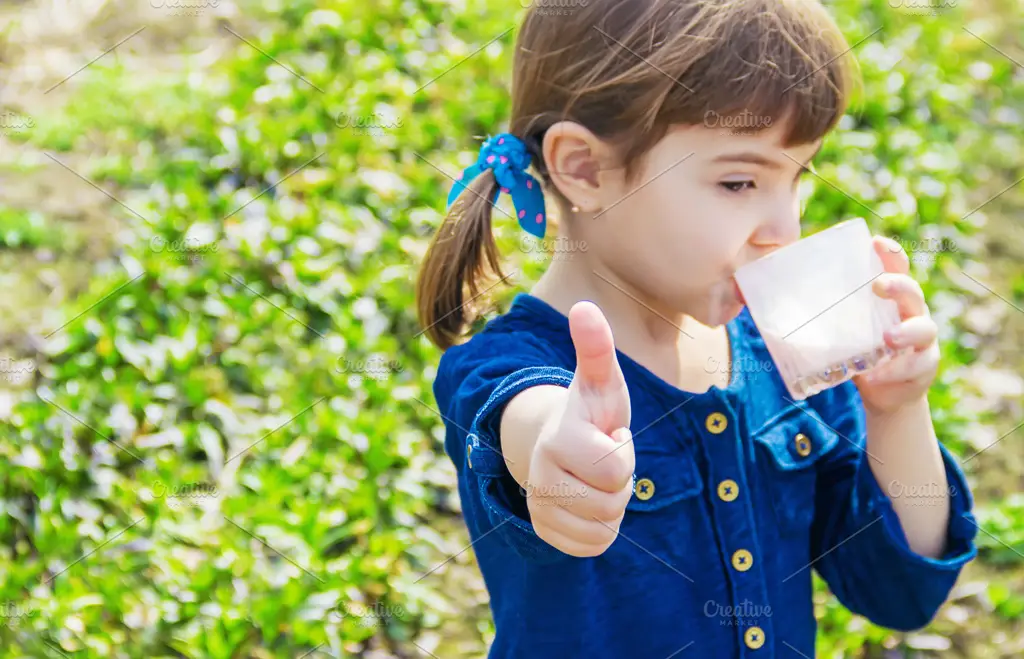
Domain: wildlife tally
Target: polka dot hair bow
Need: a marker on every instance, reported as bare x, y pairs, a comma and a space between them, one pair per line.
507, 156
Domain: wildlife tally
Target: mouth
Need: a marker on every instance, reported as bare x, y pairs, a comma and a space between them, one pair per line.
737, 291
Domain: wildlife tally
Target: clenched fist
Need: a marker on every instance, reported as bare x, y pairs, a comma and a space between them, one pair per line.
581, 469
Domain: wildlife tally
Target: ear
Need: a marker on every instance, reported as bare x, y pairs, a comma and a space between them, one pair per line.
579, 164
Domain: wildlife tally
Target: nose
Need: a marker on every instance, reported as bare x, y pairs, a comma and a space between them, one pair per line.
779, 227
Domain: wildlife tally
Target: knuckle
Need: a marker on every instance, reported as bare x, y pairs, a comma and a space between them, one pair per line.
617, 470
609, 531
625, 495
607, 506
617, 475
601, 474
599, 535
539, 515
626, 465
593, 539
566, 544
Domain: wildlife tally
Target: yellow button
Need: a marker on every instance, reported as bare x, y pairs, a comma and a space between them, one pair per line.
803, 444
644, 489
742, 560
728, 490
754, 638
716, 423
469, 452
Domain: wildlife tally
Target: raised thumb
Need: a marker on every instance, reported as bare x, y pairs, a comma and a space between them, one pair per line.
597, 367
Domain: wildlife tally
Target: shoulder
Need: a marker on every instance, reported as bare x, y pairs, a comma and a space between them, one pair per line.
493, 347
500, 349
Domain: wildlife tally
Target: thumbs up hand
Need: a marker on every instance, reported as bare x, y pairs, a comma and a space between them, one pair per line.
581, 469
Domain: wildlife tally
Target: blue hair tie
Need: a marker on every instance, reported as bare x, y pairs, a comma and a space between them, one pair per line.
507, 156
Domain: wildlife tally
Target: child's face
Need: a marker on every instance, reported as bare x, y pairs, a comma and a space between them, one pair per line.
706, 202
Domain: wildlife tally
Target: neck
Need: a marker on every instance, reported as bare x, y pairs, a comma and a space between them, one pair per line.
667, 342
635, 317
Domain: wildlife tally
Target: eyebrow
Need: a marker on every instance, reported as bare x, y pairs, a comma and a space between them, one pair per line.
758, 159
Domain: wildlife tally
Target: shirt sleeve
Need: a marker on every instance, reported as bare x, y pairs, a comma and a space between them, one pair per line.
862, 551
472, 390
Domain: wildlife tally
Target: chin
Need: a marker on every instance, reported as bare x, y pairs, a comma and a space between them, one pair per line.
723, 315
721, 305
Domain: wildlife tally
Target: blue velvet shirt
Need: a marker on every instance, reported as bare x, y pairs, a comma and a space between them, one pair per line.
739, 494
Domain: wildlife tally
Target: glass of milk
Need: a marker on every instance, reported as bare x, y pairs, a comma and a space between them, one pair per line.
813, 304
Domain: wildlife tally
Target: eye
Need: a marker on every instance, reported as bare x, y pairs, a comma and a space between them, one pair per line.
737, 186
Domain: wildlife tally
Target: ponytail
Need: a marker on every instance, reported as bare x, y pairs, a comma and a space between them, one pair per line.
460, 258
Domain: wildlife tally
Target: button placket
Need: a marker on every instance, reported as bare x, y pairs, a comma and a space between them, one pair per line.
732, 504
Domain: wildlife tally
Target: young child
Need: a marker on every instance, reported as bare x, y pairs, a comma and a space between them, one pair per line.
663, 496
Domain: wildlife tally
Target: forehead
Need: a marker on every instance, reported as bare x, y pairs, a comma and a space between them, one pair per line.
711, 139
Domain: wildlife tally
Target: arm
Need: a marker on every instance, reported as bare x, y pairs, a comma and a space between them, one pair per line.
522, 423
570, 448
911, 473
859, 543
906, 461
544, 455
893, 527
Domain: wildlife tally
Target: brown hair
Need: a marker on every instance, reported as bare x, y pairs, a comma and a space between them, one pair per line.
627, 71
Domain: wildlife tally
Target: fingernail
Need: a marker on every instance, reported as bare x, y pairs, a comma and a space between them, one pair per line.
895, 337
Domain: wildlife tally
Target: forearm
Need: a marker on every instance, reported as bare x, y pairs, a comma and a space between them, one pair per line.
906, 462
524, 418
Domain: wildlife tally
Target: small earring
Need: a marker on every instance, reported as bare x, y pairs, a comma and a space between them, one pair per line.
575, 209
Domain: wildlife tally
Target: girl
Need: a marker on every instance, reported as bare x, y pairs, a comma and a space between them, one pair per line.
624, 499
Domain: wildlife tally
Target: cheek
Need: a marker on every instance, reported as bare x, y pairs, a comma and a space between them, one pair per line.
672, 227
700, 233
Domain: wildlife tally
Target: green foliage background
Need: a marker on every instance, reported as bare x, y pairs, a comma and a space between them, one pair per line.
241, 364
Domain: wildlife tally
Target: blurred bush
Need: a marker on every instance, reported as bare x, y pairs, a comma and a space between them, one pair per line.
230, 446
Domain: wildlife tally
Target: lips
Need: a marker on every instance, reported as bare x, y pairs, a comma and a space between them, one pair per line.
737, 291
